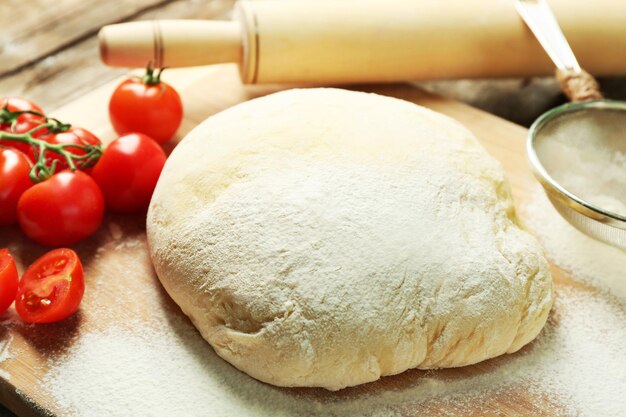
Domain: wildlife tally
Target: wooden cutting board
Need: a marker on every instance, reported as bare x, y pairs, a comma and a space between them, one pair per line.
117, 267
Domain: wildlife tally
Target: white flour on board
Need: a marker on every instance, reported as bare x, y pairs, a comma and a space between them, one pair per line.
172, 371
166, 369
4, 355
8, 319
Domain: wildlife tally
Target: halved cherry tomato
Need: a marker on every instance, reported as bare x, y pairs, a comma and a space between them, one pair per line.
128, 171
146, 105
23, 123
61, 210
52, 288
14, 180
74, 136
8, 280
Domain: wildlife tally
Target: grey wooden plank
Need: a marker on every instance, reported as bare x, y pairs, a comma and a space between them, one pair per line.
32, 30
70, 73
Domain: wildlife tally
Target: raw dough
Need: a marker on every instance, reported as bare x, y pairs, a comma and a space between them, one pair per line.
323, 238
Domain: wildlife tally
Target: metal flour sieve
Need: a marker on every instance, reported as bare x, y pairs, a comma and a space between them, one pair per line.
578, 150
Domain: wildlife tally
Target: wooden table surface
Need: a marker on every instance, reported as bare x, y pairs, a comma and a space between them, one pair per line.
49, 54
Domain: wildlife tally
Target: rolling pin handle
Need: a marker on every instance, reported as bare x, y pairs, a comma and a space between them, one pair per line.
171, 43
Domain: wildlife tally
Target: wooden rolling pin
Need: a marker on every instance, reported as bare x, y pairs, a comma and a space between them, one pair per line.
334, 41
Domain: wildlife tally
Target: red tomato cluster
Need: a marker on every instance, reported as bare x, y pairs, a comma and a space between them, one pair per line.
50, 290
51, 211
69, 205
55, 181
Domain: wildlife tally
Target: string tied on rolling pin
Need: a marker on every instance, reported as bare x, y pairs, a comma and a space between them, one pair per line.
578, 85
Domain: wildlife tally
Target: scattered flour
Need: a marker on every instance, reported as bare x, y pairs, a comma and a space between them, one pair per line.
5, 354
128, 244
578, 359
10, 318
166, 369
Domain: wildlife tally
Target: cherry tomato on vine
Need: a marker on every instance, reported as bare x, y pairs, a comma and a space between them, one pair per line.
73, 136
14, 180
128, 171
8, 280
146, 105
23, 123
52, 288
14, 104
61, 210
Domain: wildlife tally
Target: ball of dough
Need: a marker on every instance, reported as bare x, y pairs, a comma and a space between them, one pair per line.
323, 238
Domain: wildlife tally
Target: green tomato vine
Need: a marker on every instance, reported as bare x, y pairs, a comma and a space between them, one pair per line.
43, 168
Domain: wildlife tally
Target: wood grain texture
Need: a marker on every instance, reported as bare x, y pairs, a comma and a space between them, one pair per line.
32, 31
117, 265
68, 73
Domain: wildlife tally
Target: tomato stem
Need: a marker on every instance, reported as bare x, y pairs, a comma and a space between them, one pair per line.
42, 169
10, 117
152, 75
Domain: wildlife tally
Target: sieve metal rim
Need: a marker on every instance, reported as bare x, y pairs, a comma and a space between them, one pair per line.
553, 187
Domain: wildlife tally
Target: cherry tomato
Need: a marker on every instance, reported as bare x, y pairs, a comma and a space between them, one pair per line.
128, 171
52, 288
24, 122
73, 136
14, 180
147, 106
8, 280
61, 210
14, 104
